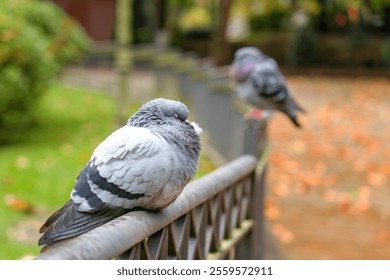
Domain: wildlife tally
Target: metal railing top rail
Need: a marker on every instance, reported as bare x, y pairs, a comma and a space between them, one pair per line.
121, 234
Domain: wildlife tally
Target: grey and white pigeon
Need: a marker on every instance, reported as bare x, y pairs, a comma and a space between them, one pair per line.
260, 83
143, 165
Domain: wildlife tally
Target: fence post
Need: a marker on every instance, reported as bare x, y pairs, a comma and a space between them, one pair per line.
255, 140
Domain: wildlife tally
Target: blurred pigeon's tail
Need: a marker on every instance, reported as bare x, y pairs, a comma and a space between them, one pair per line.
291, 109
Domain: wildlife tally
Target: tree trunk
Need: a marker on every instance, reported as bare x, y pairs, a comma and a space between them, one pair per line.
123, 61
220, 49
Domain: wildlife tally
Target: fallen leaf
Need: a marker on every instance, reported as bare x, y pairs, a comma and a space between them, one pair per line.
22, 162
330, 180
376, 179
344, 203
360, 165
271, 210
301, 188
329, 196
281, 189
320, 168
67, 149
312, 179
18, 204
284, 235
7, 180
291, 166
361, 206
382, 236
344, 152
297, 147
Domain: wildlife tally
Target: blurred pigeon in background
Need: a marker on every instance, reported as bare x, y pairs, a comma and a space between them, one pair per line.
260, 83
143, 165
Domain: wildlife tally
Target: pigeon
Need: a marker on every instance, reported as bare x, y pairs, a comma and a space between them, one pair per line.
142, 166
260, 83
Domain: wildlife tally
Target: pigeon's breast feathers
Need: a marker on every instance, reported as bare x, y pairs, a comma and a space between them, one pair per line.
245, 60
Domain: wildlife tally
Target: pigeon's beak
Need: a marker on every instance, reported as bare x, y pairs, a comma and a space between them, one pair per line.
197, 128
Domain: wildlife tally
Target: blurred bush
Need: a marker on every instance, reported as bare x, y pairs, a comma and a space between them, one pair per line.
274, 19
36, 40
385, 52
303, 47
269, 14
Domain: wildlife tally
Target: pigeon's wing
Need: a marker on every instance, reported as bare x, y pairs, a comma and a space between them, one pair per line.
126, 171
273, 93
268, 82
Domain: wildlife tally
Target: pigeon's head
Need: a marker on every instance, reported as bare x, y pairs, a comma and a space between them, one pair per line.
164, 114
244, 61
168, 118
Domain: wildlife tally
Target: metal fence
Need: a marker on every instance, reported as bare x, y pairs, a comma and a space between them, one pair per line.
219, 216
215, 217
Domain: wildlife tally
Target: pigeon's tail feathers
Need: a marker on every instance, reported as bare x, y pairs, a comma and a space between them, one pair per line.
55, 216
294, 119
68, 222
291, 109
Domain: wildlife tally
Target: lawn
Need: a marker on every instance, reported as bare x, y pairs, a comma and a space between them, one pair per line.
38, 173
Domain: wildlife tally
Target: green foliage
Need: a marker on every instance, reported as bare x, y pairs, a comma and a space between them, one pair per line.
274, 19
42, 169
302, 49
385, 52
36, 40
269, 14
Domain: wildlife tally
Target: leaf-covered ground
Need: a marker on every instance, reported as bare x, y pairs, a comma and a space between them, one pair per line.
329, 183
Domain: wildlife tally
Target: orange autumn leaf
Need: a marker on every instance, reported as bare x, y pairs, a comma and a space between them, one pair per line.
281, 189
376, 179
313, 179
297, 147
344, 203
360, 165
271, 210
344, 152
329, 196
283, 234
18, 204
386, 168
320, 168
276, 157
301, 188
382, 236
361, 206
330, 180
291, 166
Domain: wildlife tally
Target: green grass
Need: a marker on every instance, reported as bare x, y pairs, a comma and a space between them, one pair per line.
41, 169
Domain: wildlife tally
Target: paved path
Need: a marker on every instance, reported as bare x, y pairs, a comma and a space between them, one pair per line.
329, 184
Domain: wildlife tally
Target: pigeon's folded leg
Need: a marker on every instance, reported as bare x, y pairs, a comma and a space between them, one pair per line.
257, 114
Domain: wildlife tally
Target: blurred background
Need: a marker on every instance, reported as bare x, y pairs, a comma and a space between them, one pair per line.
71, 70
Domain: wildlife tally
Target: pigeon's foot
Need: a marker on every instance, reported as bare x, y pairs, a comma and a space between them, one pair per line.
256, 114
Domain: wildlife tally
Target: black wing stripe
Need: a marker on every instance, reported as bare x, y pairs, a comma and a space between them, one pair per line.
94, 176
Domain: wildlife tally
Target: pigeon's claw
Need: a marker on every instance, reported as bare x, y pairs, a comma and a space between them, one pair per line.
255, 113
